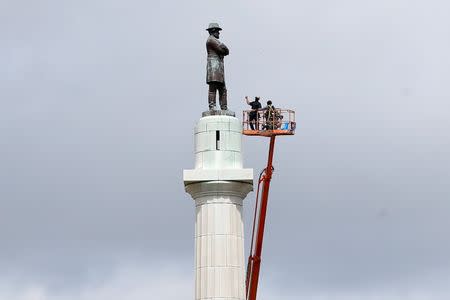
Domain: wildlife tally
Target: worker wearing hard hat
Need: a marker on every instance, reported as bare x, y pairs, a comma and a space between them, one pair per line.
272, 116
253, 114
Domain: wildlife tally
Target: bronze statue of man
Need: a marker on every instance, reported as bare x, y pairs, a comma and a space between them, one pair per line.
215, 74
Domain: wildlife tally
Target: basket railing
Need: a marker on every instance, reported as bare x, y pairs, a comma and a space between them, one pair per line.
264, 120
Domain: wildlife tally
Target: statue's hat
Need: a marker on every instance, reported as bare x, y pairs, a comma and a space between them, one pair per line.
213, 26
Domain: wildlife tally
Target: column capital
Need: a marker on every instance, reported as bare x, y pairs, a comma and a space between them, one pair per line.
219, 189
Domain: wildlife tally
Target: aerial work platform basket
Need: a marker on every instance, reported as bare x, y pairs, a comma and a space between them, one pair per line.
268, 123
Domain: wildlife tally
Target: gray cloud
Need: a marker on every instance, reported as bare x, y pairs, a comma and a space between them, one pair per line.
99, 100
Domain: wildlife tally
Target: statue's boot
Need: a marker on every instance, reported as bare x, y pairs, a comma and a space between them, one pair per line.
212, 100
223, 98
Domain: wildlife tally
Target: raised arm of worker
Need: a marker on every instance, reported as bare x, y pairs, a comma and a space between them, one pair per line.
246, 99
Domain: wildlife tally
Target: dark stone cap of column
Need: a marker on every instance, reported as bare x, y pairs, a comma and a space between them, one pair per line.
218, 113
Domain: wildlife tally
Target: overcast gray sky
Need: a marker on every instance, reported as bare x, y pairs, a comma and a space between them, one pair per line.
98, 103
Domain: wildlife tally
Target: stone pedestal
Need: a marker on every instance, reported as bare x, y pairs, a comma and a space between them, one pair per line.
218, 184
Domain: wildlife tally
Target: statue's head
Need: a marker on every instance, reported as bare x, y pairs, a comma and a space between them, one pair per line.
214, 29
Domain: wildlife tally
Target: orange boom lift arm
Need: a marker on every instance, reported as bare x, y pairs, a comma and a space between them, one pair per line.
254, 260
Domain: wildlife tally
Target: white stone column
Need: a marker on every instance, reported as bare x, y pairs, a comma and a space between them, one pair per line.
218, 184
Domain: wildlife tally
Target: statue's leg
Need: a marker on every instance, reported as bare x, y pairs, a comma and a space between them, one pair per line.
223, 97
212, 95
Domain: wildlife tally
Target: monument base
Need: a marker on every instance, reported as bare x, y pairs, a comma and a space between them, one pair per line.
218, 113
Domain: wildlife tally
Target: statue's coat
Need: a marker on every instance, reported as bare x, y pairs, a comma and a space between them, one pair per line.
214, 68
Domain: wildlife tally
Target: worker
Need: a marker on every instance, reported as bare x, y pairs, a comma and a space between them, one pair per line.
253, 115
272, 117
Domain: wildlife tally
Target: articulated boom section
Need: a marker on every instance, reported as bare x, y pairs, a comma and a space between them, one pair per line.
269, 125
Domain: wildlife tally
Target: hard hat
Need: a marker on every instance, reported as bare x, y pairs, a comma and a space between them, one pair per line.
213, 26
